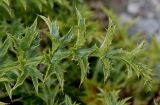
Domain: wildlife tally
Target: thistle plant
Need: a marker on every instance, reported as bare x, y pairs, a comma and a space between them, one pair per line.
31, 70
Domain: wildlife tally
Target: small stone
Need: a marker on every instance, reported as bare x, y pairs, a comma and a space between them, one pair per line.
133, 8
149, 26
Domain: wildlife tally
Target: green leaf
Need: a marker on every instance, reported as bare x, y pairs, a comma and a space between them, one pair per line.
84, 65
9, 89
4, 79
138, 49
4, 47
82, 57
30, 36
108, 39
131, 65
129, 70
6, 1
54, 33
48, 94
9, 66
68, 101
7, 8
35, 83
53, 27
87, 51
81, 20
24, 4
111, 98
81, 30
60, 55
65, 40
36, 43
55, 91
35, 75
49, 71
21, 79
139, 69
59, 72
47, 21
106, 69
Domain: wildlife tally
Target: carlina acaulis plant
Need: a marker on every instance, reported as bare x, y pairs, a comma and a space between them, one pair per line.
39, 63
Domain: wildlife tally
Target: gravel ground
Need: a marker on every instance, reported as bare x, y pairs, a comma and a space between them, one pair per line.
147, 13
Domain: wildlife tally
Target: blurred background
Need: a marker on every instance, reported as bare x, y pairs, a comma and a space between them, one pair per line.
144, 13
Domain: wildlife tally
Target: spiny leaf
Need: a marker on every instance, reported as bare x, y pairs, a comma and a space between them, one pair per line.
108, 39
55, 91
140, 70
49, 95
138, 48
53, 27
60, 55
81, 21
124, 101
82, 58
30, 36
36, 43
49, 71
4, 47
81, 30
129, 70
59, 72
4, 79
87, 51
33, 26
45, 95
24, 4
111, 98
8, 67
21, 79
68, 37
54, 33
9, 89
146, 75
47, 21
130, 64
35, 75
84, 65
106, 69
68, 101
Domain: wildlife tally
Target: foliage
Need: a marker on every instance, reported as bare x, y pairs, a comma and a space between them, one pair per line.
149, 56
46, 62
